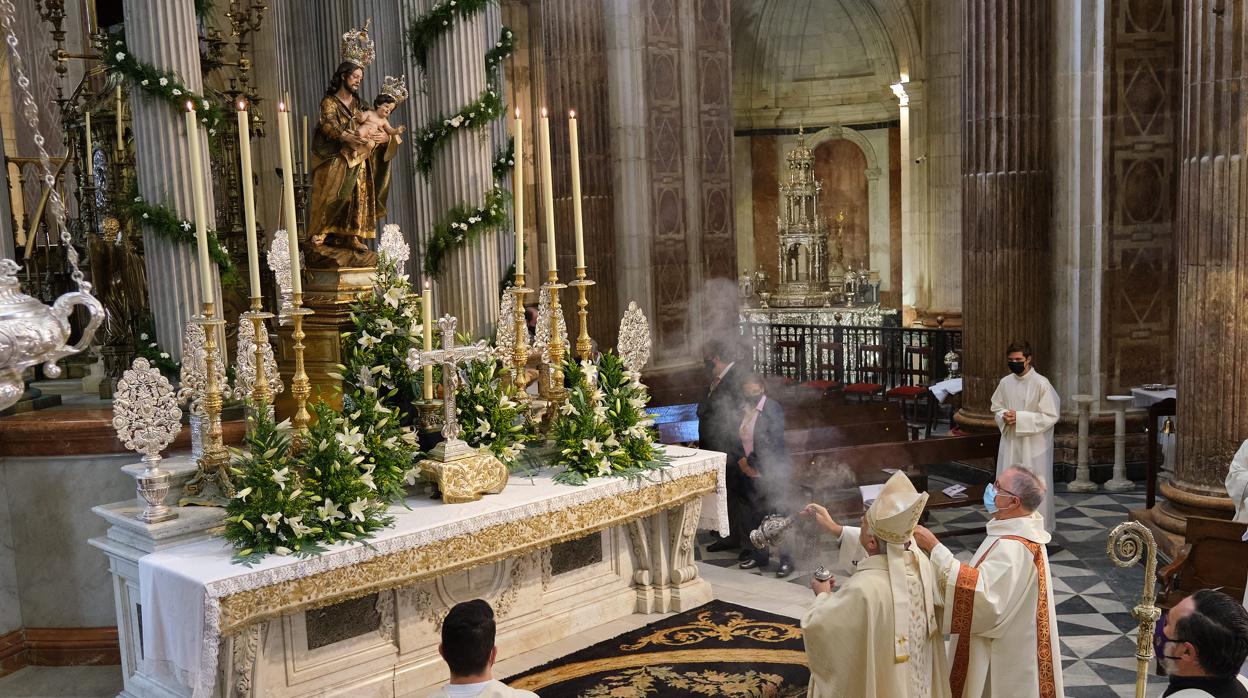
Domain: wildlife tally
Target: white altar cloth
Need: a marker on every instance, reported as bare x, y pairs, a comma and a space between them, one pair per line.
188, 591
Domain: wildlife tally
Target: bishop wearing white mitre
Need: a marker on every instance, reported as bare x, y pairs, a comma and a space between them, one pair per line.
1025, 407
1000, 605
877, 635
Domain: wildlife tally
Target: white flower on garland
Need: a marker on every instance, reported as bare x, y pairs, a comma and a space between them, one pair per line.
120, 55
280, 476
176, 92
329, 511
455, 122
144, 83
359, 509
296, 525
186, 225
272, 521
164, 81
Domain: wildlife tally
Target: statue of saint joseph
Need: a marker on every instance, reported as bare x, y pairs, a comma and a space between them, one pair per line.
349, 192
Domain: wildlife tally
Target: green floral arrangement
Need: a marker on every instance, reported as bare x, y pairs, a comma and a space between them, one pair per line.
271, 511
159, 84
626, 399
145, 346
475, 115
488, 415
338, 476
504, 159
385, 324
585, 430
440, 18
376, 382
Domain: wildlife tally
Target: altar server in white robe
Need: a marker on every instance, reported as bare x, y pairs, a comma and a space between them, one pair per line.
877, 635
468, 648
1237, 490
1000, 605
1026, 408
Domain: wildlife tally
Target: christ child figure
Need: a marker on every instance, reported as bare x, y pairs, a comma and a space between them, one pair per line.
370, 124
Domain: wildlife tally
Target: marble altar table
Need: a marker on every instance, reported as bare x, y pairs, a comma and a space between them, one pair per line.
364, 619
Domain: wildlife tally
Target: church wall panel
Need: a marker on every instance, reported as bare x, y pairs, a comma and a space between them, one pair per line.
765, 189
713, 30
840, 167
1142, 102
892, 297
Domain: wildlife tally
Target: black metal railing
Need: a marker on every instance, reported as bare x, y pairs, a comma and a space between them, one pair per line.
851, 354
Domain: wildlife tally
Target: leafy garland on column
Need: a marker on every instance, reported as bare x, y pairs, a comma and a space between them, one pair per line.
164, 85
165, 223
465, 222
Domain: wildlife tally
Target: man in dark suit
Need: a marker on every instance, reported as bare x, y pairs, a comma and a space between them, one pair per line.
763, 461
717, 426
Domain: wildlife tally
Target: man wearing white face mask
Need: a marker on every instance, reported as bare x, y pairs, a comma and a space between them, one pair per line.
1206, 638
1001, 604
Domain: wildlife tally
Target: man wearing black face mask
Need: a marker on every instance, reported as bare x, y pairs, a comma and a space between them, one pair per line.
1206, 642
718, 414
1026, 409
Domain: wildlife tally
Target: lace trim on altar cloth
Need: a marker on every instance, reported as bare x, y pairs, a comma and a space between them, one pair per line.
712, 517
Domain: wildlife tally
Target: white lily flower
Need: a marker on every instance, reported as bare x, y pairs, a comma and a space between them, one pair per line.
567, 409
280, 477
393, 297
367, 341
163, 81
592, 447
330, 511
367, 479
282, 550
350, 440
272, 521
358, 508
411, 475
296, 525
242, 494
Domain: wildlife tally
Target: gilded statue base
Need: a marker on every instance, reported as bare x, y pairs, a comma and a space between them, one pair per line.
329, 293
466, 473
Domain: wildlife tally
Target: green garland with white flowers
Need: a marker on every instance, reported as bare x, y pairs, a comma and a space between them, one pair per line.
164, 85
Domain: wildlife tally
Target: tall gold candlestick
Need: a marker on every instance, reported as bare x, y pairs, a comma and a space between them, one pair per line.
300, 386
520, 352
584, 346
211, 485
556, 392
261, 395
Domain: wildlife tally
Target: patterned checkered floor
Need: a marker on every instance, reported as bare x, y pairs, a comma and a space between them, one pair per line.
1093, 597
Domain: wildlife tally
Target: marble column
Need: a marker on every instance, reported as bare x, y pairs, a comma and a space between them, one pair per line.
1119, 482
1006, 192
500, 130
470, 277
1083, 476
1213, 270
165, 35
574, 43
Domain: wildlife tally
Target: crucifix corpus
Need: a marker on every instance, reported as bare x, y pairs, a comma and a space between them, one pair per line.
462, 473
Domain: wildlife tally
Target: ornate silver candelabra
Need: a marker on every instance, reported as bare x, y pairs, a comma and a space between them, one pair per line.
147, 420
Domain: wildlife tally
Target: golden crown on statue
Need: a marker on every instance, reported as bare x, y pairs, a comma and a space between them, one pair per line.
357, 48
395, 87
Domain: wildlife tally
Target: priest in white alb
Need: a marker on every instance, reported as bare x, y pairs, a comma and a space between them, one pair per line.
877, 635
1237, 490
1000, 606
1025, 406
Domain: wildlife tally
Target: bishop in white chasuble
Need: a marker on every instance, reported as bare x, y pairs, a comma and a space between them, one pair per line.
878, 635
1026, 408
1000, 606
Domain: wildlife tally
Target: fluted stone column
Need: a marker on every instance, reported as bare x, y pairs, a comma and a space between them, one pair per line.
1213, 269
470, 276
1006, 192
500, 131
164, 34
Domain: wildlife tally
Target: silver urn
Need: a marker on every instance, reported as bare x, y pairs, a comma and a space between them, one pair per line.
33, 333
770, 532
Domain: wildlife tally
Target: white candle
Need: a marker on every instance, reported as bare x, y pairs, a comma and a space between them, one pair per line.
249, 199
121, 133
426, 319
201, 206
307, 164
548, 197
88, 158
517, 187
574, 144
288, 197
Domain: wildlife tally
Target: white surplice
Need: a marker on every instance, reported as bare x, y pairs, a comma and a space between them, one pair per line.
1029, 441
492, 689
1237, 490
1001, 588
849, 633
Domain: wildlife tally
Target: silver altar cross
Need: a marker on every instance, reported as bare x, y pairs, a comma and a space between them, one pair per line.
449, 357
